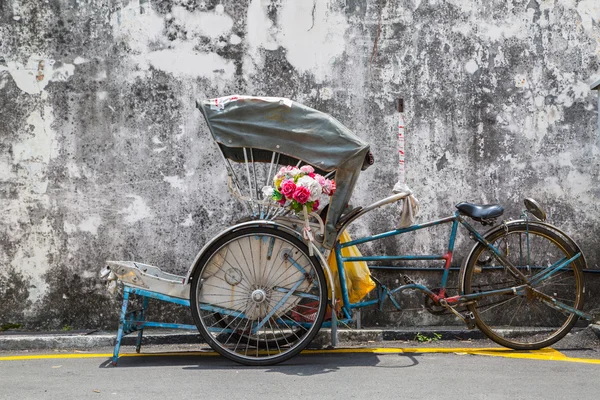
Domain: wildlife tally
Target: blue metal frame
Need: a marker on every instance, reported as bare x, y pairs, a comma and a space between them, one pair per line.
384, 293
135, 321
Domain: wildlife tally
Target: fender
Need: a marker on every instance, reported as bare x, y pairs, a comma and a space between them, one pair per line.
562, 234
258, 223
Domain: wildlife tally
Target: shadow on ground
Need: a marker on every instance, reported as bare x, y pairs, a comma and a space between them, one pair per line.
302, 365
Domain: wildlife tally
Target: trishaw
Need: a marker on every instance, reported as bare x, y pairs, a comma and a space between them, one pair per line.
261, 289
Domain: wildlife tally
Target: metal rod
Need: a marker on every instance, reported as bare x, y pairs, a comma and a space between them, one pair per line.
249, 181
267, 181
260, 207
410, 257
398, 231
457, 268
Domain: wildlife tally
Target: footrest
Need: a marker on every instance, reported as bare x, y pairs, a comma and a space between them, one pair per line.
147, 277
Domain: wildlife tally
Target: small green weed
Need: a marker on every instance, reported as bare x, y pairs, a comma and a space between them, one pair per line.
421, 338
5, 327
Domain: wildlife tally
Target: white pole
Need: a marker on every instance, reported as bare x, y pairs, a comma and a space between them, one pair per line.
400, 186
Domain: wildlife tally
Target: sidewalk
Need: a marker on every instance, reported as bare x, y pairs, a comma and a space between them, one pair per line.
11, 341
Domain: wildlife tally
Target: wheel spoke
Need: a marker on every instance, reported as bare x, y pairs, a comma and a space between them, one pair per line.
269, 294
523, 320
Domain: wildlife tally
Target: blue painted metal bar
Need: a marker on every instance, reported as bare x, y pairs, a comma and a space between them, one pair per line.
453, 232
166, 325
138, 343
218, 330
552, 270
296, 293
414, 286
390, 258
221, 310
295, 264
135, 321
122, 323
345, 321
398, 231
448, 256
405, 268
509, 266
365, 303
546, 269
277, 306
457, 268
472, 230
342, 276
159, 296
559, 305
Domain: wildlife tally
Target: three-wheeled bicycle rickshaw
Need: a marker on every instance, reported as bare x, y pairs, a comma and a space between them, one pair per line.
261, 289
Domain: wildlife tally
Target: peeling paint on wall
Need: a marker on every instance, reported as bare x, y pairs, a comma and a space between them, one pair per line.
104, 156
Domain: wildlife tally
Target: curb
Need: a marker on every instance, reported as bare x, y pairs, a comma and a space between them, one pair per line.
28, 341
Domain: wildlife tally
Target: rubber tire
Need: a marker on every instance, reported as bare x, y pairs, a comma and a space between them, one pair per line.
308, 336
565, 247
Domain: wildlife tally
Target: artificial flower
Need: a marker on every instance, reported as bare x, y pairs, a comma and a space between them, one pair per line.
288, 187
301, 195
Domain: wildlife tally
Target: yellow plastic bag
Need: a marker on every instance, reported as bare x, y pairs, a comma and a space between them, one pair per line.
358, 278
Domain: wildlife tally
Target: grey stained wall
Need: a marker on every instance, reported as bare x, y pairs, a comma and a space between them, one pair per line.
104, 156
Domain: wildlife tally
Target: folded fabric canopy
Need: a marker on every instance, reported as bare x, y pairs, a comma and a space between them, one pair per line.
298, 132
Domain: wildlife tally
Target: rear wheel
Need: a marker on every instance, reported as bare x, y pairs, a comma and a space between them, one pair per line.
524, 320
257, 296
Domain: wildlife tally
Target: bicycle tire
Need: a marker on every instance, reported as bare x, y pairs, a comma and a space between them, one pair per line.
524, 321
264, 265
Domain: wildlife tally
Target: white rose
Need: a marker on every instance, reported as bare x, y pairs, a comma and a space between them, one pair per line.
312, 185
267, 192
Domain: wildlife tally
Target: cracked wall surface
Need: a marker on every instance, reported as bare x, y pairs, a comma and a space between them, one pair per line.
104, 156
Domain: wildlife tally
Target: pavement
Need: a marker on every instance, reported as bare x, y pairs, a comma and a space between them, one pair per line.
382, 363
588, 337
177, 372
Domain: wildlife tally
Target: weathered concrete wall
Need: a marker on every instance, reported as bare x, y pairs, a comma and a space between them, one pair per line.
103, 155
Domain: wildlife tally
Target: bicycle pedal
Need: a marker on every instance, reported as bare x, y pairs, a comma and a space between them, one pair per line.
470, 320
407, 280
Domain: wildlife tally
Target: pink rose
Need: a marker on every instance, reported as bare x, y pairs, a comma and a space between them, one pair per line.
282, 202
288, 187
329, 187
319, 178
316, 205
301, 195
332, 187
312, 174
307, 169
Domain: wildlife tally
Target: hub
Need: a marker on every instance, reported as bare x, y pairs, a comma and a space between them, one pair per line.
258, 296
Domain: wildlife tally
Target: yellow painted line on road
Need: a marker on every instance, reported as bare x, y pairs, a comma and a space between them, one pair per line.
105, 355
547, 354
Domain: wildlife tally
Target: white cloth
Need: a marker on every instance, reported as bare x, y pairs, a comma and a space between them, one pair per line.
410, 205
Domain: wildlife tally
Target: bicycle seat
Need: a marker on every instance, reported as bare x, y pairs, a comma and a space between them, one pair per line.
480, 212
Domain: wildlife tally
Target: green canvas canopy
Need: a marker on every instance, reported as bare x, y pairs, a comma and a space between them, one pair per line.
297, 132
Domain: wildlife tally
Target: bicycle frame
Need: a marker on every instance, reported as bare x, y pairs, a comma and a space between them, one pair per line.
460, 299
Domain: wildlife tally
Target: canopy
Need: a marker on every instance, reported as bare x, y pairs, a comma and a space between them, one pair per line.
281, 125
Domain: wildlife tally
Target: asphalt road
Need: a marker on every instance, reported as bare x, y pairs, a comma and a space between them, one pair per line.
440, 372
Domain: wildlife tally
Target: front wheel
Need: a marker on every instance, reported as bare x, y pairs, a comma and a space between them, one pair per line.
257, 297
525, 319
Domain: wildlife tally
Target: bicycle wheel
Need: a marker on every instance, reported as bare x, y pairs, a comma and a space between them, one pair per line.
524, 320
257, 297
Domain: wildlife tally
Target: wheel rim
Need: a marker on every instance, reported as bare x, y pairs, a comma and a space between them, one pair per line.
524, 320
259, 297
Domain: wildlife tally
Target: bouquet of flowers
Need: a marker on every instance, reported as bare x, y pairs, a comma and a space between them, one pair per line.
299, 187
